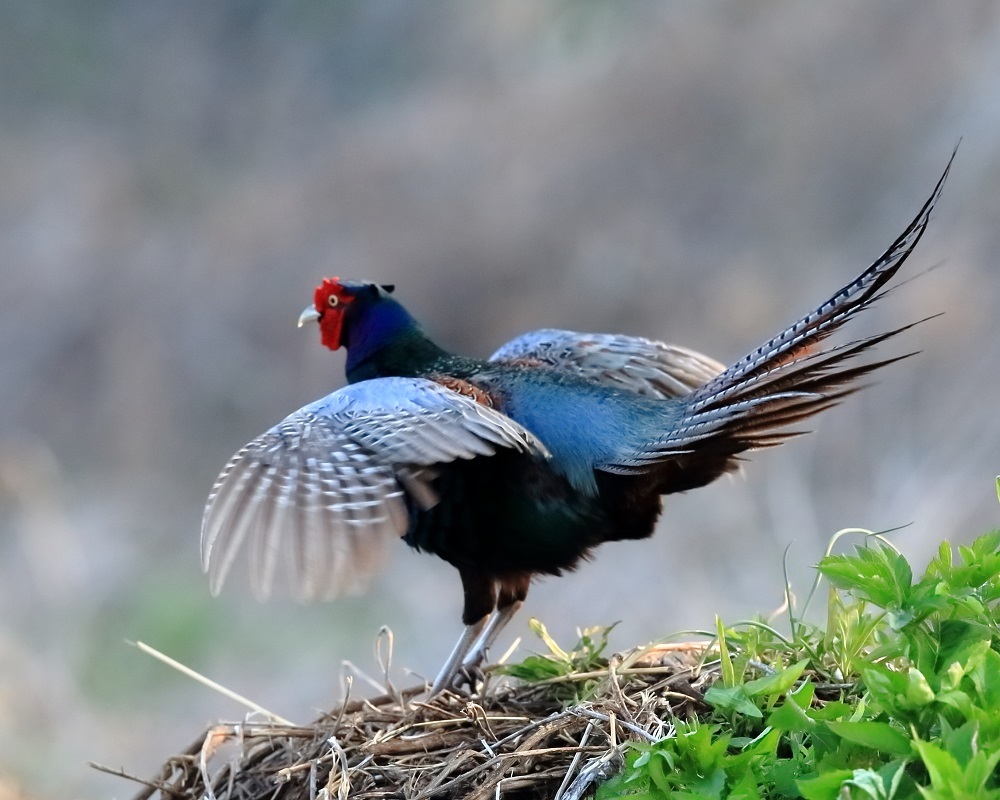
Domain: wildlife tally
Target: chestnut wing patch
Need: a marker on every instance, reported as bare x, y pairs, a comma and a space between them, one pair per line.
465, 389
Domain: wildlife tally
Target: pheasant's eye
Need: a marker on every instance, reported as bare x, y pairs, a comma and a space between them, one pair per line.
332, 300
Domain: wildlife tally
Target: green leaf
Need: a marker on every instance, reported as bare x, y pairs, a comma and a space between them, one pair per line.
879, 736
832, 710
986, 678
979, 770
974, 580
733, 698
745, 788
892, 775
589, 651
869, 782
941, 766
803, 695
918, 691
886, 686
535, 668
790, 717
542, 633
824, 787
658, 768
842, 571
953, 779
777, 684
711, 785
961, 742
957, 699
728, 672
615, 788
962, 641
878, 574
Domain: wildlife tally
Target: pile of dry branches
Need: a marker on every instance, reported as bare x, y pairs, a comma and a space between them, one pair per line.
521, 740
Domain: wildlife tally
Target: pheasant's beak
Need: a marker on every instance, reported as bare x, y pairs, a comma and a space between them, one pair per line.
309, 315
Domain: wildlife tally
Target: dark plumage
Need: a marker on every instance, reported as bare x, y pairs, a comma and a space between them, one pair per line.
518, 465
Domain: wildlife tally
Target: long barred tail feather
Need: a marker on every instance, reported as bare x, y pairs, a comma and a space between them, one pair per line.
779, 352
787, 379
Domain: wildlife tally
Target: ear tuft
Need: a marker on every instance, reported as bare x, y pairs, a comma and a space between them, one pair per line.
388, 288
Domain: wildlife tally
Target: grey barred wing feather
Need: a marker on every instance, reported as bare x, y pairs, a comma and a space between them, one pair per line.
643, 366
324, 488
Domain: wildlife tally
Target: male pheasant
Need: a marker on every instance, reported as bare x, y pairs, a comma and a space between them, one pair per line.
517, 465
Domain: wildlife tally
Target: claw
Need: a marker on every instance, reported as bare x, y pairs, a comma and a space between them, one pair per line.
471, 648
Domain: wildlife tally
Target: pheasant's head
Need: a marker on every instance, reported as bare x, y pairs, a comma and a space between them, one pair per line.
336, 300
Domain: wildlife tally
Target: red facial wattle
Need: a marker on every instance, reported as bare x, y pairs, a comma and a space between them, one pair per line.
329, 302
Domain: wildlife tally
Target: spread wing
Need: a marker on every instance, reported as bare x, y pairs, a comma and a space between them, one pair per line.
643, 366
325, 487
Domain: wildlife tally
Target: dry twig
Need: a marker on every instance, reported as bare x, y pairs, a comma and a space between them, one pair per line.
509, 738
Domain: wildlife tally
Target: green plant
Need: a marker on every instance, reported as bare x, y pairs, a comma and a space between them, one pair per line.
898, 697
586, 656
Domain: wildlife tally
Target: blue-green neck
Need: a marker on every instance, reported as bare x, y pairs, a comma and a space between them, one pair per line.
383, 339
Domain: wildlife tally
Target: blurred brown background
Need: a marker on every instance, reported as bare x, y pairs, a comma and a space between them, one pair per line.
176, 177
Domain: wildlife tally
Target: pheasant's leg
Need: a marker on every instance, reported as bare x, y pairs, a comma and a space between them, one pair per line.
480, 600
513, 591
492, 629
447, 674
